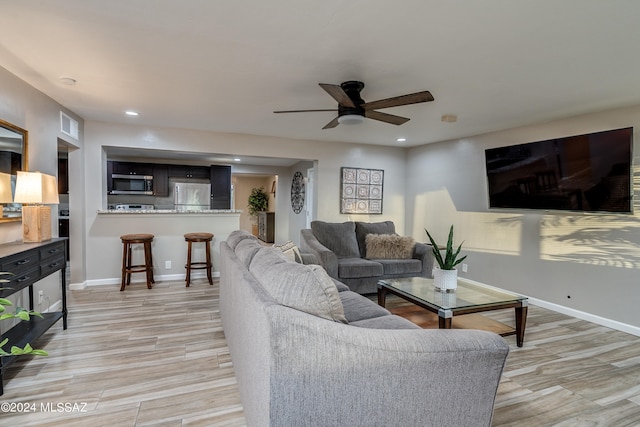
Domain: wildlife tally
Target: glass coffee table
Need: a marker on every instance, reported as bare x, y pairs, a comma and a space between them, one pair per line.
468, 298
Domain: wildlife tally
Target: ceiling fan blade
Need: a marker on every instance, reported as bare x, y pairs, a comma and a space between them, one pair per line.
338, 94
333, 123
303, 111
412, 98
384, 117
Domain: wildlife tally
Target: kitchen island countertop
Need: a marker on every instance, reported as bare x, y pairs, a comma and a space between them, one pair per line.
168, 211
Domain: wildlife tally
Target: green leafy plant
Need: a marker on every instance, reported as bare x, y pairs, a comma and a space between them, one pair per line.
450, 259
258, 201
22, 314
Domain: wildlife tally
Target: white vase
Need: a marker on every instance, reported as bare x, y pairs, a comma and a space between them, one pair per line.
445, 280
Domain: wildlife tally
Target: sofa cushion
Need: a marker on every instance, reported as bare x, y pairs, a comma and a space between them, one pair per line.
364, 228
357, 307
306, 288
339, 238
236, 236
353, 268
401, 266
341, 286
386, 322
290, 250
389, 246
246, 249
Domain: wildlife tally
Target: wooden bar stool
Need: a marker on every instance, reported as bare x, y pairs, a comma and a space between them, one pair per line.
127, 268
206, 264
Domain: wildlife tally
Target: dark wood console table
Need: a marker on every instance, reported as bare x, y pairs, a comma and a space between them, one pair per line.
28, 263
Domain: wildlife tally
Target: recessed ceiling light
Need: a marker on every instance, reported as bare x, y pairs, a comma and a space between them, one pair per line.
449, 118
69, 81
236, 159
132, 113
401, 139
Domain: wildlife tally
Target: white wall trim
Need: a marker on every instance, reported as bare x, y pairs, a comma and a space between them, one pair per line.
598, 320
602, 321
163, 278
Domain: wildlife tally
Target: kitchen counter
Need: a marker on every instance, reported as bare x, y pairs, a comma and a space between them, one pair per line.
169, 247
168, 211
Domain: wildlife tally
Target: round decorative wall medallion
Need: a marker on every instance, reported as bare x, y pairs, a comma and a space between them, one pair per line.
297, 192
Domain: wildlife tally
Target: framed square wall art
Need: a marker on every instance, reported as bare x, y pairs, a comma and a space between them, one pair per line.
361, 191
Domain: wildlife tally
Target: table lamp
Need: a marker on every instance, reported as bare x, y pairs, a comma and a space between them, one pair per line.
35, 189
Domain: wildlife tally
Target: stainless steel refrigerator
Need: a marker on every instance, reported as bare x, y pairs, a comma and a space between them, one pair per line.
191, 196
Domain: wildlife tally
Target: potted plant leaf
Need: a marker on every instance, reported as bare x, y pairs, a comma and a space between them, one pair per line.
446, 277
258, 202
21, 314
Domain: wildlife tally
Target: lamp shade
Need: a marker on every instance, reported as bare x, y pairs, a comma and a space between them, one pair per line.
5, 188
37, 188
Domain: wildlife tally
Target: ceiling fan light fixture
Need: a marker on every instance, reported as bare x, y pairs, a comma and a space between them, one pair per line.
350, 119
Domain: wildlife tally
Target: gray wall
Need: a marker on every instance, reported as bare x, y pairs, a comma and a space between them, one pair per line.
328, 156
583, 262
30, 109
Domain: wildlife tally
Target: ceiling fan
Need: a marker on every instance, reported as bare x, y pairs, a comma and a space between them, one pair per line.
352, 109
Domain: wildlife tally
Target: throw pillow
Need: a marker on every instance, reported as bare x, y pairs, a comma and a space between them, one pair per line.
364, 228
340, 238
290, 250
306, 288
389, 246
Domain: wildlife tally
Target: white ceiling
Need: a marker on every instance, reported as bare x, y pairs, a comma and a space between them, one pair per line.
225, 65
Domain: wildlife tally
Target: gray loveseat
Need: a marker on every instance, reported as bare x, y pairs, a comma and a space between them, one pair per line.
342, 250
306, 351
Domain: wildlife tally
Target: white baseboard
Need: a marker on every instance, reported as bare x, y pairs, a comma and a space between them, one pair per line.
159, 278
56, 306
598, 320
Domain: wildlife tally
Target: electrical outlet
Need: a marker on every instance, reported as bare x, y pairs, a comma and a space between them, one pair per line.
40, 297
465, 268
167, 265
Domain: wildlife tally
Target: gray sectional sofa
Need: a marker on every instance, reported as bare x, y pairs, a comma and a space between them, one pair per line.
341, 249
307, 351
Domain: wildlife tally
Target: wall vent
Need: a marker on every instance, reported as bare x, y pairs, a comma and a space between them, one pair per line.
68, 126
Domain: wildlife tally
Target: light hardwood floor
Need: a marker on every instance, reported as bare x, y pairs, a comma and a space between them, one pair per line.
159, 358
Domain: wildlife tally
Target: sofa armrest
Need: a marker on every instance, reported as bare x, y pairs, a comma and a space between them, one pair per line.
309, 258
424, 252
324, 256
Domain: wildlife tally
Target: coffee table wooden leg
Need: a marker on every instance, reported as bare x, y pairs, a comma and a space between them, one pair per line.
521, 323
444, 319
382, 296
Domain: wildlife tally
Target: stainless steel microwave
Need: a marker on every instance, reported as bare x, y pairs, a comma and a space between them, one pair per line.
131, 184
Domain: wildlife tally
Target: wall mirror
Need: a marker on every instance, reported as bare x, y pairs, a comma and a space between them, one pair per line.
13, 157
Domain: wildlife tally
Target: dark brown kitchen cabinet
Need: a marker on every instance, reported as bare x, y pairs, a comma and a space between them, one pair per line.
131, 168
160, 180
220, 186
186, 171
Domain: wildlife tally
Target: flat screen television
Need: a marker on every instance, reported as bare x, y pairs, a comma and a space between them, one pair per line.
590, 173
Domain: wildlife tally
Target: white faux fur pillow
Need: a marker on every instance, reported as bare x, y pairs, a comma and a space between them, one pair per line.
389, 246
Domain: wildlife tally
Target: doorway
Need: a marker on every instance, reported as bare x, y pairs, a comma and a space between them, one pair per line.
242, 185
